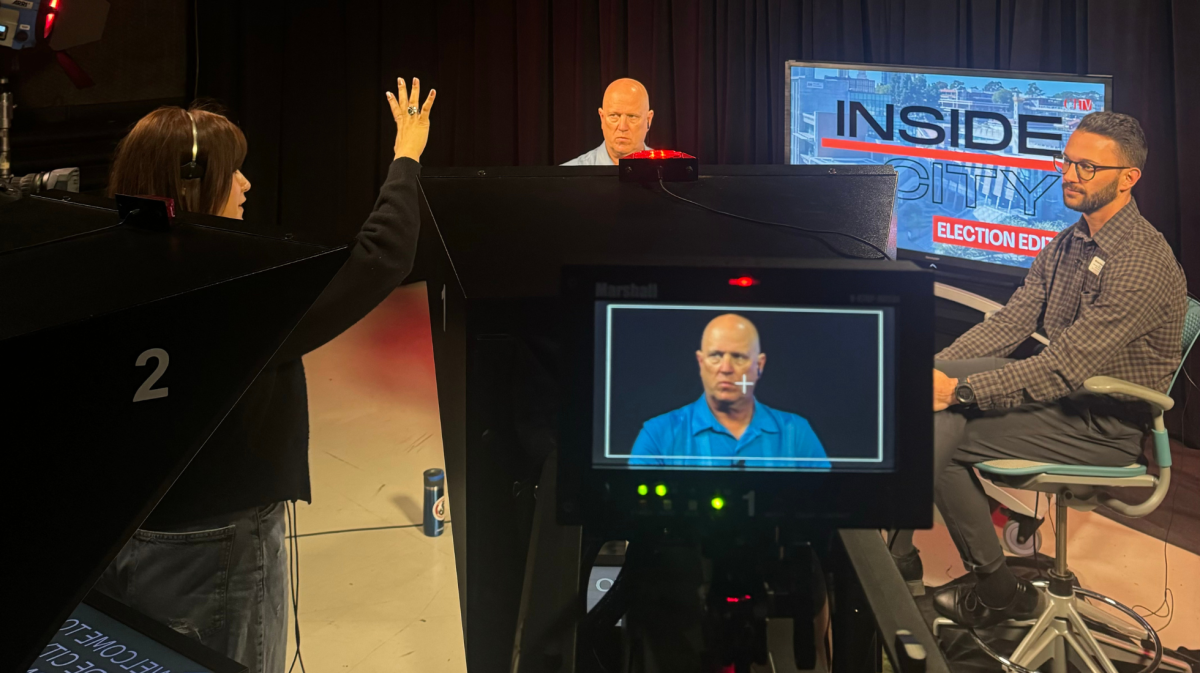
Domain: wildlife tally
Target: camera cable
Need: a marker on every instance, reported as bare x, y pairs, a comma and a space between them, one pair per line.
816, 233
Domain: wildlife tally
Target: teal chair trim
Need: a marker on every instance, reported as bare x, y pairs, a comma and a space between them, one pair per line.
1191, 330
1025, 468
1162, 448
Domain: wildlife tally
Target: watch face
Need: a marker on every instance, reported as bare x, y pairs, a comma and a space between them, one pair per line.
965, 394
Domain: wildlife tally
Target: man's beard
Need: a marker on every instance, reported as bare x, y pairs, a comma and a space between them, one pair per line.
1093, 202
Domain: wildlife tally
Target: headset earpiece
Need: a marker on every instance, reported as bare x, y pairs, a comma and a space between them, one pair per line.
192, 170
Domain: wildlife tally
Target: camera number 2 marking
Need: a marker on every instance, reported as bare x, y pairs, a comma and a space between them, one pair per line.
147, 391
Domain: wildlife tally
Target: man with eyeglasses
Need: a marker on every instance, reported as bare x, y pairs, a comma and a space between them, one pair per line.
1111, 298
625, 118
727, 426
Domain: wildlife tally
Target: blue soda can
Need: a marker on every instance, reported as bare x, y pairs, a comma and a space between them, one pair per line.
435, 502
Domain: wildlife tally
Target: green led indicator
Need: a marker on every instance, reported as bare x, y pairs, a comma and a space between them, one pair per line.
643, 489
718, 502
660, 490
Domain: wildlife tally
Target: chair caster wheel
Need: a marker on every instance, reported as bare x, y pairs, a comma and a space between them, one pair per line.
1011, 539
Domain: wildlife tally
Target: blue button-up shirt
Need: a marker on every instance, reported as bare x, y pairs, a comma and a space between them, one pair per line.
694, 431
596, 157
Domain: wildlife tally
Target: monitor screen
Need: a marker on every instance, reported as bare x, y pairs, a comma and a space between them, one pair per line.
796, 391
973, 150
103, 634
716, 387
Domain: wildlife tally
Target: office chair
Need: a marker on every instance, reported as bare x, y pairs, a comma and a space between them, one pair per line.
1061, 628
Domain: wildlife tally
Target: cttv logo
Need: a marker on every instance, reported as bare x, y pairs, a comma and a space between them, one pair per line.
1084, 104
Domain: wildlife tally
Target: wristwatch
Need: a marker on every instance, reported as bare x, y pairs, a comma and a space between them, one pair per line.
964, 393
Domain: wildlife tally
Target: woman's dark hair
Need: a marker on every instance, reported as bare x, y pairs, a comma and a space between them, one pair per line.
148, 160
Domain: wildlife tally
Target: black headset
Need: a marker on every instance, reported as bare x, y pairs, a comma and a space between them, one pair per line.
192, 170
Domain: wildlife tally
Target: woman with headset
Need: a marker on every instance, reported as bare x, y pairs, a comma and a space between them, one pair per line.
210, 561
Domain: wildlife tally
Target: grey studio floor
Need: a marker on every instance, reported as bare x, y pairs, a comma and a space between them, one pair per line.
387, 600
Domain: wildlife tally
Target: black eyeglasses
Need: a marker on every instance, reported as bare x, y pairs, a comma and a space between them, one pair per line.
1085, 170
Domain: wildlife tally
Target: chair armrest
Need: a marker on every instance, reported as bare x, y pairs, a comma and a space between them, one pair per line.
969, 299
1107, 385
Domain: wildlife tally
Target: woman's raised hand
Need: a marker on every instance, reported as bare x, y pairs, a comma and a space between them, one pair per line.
412, 123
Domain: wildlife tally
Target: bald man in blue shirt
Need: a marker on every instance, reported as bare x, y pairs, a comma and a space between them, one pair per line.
625, 117
727, 427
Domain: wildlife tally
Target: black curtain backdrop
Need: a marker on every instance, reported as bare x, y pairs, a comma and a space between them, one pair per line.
519, 82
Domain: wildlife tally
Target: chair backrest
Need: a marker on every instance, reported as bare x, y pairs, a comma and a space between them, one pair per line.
1191, 328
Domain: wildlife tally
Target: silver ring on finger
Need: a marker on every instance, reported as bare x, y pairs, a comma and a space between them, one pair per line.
412, 110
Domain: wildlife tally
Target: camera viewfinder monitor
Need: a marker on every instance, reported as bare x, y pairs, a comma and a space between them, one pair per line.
799, 393
973, 150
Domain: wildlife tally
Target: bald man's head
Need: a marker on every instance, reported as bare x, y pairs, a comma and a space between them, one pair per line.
625, 117
731, 359
730, 325
627, 91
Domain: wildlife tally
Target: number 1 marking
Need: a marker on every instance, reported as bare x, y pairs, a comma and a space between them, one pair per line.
147, 391
749, 498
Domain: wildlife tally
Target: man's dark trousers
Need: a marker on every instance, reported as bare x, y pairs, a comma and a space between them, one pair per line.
1073, 430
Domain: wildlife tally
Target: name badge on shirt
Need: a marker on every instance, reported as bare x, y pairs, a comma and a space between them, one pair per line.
1096, 265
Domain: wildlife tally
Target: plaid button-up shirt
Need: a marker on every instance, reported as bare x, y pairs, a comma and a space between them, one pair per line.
1112, 304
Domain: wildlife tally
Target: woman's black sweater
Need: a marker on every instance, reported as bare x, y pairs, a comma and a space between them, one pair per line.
259, 454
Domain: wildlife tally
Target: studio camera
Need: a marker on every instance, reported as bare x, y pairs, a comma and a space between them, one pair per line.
16, 186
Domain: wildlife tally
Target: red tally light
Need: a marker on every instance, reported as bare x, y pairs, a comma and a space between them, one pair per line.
49, 24
53, 4
731, 599
650, 166
744, 281
747, 596
659, 154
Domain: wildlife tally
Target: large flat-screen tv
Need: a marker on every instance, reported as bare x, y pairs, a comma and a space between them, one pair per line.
973, 149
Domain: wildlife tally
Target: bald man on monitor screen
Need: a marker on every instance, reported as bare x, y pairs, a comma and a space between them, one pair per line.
625, 118
727, 426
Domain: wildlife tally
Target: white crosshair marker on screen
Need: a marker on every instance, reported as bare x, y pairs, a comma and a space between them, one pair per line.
744, 384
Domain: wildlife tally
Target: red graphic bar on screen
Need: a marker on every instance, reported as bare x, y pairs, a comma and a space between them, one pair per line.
988, 236
931, 153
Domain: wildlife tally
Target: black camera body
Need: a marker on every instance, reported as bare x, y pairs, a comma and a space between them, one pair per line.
15, 186
66, 179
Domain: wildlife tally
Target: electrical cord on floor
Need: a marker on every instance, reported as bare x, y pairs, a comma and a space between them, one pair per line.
816, 233
294, 580
294, 567
1037, 563
1168, 601
359, 530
